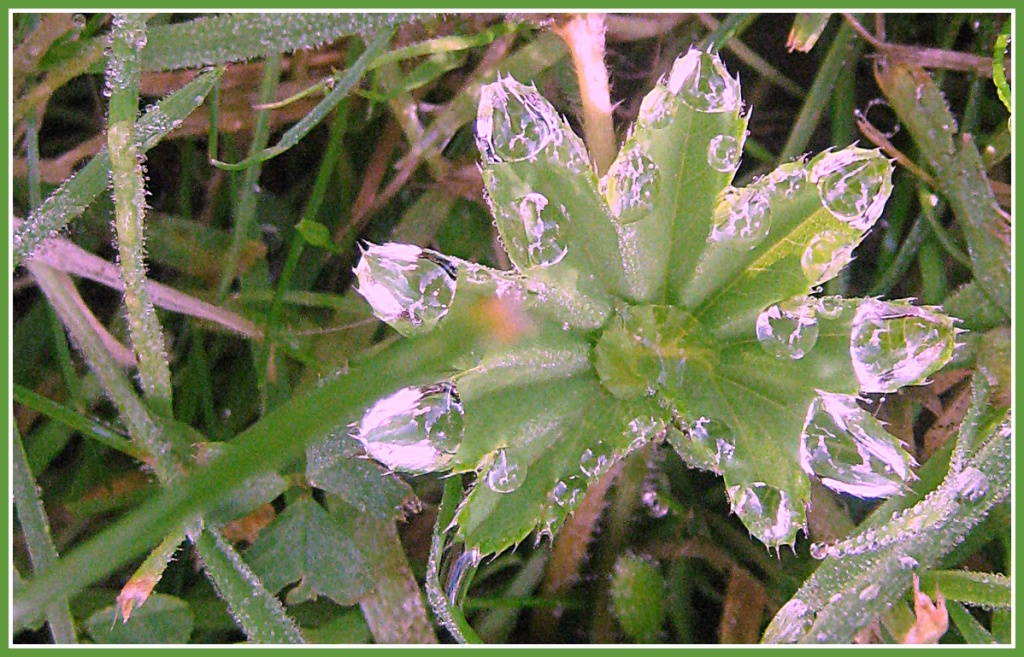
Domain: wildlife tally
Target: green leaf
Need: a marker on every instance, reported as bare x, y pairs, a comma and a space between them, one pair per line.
972, 631
317, 234
162, 619
662, 188
308, 545
333, 466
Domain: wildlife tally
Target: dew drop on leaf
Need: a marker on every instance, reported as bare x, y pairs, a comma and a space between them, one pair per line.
971, 484
854, 184
849, 449
724, 153
514, 122
657, 109
704, 443
789, 329
829, 307
542, 224
895, 344
701, 81
415, 429
408, 287
826, 255
506, 474
766, 512
593, 464
790, 623
631, 185
870, 592
742, 220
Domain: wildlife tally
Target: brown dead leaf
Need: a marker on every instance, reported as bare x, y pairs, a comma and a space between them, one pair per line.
932, 617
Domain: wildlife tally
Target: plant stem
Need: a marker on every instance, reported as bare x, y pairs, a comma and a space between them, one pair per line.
584, 35
123, 77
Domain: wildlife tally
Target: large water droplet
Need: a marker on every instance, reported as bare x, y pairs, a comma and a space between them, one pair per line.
416, 429
657, 109
544, 244
506, 474
514, 122
767, 512
631, 185
724, 153
895, 344
789, 329
826, 255
742, 220
408, 287
701, 81
854, 184
850, 451
704, 443
870, 592
787, 179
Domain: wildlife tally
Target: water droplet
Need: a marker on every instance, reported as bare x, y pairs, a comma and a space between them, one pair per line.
704, 443
870, 592
506, 474
567, 493
701, 81
854, 184
657, 109
819, 550
78, 22
767, 512
651, 499
830, 307
849, 449
514, 122
895, 344
826, 255
631, 185
933, 200
971, 484
742, 219
908, 562
724, 153
789, 329
787, 179
593, 465
790, 623
408, 287
415, 429
544, 243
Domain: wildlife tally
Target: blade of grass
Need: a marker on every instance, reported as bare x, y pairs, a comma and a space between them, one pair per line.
256, 610
341, 88
95, 429
228, 38
123, 77
989, 590
972, 631
71, 198
36, 530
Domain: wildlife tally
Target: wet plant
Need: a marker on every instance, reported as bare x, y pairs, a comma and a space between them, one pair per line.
490, 359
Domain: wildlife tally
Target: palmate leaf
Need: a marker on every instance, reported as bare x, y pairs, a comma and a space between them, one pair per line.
655, 303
